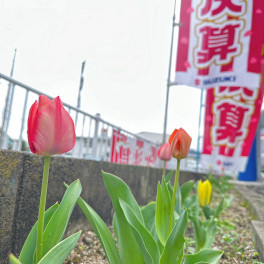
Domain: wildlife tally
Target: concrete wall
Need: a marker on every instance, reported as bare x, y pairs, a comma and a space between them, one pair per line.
20, 184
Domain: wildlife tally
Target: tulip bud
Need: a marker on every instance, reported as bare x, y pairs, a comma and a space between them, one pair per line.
204, 192
180, 143
164, 152
50, 127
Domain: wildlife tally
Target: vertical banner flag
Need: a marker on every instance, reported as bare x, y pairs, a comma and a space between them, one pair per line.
127, 150
231, 119
220, 43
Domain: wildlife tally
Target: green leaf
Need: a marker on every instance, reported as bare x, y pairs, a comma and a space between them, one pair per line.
146, 242
208, 212
114, 224
27, 252
163, 206
149, 212
186, 189
210, 230
178, 206
168, 176
170, 189
174, 247
56, 227
189, 202
195, 208
117, 188
102, 232
13, 260
209, 256
130, 252
228, 201
199, 233
59, 253
219, 208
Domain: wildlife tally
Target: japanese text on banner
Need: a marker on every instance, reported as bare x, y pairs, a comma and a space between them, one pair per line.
220, 43
127, 150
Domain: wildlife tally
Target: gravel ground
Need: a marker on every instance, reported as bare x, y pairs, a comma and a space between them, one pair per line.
237, 242
234, 238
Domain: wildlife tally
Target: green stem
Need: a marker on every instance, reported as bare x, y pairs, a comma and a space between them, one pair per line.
202, 215
42, 206
164, 169
174, 194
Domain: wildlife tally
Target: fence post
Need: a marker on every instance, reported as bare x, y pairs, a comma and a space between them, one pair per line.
95, 137
22, 122
81, 154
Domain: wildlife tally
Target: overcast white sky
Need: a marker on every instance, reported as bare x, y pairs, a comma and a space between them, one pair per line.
126, 47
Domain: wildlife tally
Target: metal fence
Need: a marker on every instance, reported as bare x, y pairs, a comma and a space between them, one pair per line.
94, 135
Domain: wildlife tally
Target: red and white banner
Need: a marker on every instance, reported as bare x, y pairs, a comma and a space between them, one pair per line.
220, 43
127, 150
231, 119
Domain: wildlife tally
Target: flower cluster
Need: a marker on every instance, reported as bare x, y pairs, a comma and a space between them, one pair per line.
177, 147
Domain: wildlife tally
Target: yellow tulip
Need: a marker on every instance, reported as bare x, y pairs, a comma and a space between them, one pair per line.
204, 192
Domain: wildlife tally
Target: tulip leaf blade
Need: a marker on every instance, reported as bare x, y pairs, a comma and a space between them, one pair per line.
130, 252
163, 206
102, 232
60, 251
148, 212
189, 202
13, 259
199, 233
220, 208
145, 240
209, 256
186, 189
174, 247
168, 176
208, 212
56, 227
27, 252
119, 189
211, 230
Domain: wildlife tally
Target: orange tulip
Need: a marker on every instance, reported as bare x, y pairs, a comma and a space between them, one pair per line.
180, 143
50, 127
164, 152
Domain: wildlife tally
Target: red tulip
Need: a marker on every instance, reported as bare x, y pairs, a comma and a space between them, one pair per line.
164, 152
50, 127
180, 143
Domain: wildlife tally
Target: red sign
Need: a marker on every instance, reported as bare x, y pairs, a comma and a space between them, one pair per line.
127, 150
220, 43
231, 119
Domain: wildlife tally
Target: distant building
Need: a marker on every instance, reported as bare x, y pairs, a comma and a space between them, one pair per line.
154, 137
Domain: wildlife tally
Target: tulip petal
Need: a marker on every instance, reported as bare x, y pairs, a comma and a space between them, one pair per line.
209, 190
180, 144
164, 152
172, 135
204, 192
53, 131
44, 101
31, 118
